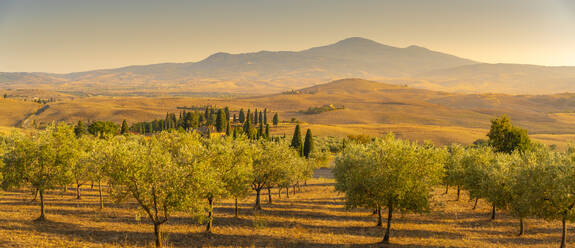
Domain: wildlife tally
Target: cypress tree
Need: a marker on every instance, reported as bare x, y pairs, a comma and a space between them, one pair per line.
249, 116
124, 129
201, 119
267, 135
235, 119
248, 126
227, 111
255, 116
261, 118
235, 135
228, 131
242, 116
260, 132
150, 127
80, 129
266, 116
308, 144
221, 120
296, 140
207, 115
276, 119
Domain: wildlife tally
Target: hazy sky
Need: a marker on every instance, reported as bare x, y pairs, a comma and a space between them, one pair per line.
76, 35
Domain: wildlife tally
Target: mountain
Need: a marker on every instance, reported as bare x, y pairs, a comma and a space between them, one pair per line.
260, 72
276, 71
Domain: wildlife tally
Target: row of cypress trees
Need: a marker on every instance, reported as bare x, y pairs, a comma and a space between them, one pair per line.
306, 147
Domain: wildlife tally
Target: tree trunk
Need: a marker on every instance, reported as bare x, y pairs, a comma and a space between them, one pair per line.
458, 192
475, 205
379, 218
294, 189
388, 229
92, 185
270, 195
78, 196
446, 189
35, 195
564, 233
279, 192
521, 226
236, 209
100, 192
210, 214
493, 212
287, 192
42, 210
158, 234
258, 205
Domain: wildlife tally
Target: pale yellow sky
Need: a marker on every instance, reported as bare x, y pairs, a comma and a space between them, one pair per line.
77, 35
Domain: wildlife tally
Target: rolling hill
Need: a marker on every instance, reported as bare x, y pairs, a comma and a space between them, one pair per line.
268, 72
349, 106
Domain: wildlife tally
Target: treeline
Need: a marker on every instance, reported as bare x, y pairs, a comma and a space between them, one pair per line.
321, 109
510, 173
254, 124
166, 172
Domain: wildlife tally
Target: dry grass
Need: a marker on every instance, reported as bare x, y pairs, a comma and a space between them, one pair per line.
14, 111
370, 108
315, 217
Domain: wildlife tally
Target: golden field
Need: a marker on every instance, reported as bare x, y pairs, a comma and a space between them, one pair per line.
314, 217
369, 108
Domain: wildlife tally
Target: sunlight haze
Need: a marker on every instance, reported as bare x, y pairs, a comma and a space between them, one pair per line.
68, 36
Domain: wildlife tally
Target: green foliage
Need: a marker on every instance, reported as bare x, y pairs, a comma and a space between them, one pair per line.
242, 116
275, 163
476, 163
80, 129
124, 129
221, 121
308, 144
42, 161
296, 142
360, 138
454, 167
504, 137
389, 172
321, 109
276, 119
103, 129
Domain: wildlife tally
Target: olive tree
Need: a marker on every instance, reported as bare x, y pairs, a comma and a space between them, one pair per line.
95, 161
454, 170
270, 163
146, 170
391, 173
524, 178
496, 184
473, 162
551, 188
42, 161
80, 170
238, 181
229, 171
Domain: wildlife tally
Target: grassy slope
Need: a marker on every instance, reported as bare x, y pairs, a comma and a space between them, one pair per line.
370, 108
315, 217
13, 111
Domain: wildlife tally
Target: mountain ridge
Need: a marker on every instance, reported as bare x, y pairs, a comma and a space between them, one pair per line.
266, 72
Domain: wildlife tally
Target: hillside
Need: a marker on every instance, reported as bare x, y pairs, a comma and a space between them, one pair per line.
357, 107
515, 78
